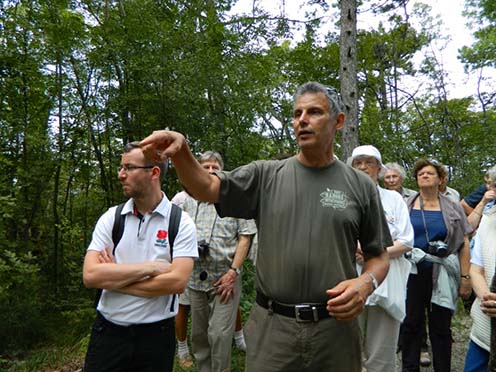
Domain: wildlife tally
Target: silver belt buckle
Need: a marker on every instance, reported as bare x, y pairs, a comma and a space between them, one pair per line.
298, 308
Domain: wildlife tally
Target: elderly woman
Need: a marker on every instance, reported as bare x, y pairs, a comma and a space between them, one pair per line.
441, 239
482, 270
385, 308
393, 178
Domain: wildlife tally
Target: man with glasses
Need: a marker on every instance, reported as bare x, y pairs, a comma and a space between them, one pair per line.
134, 327
311, 209
215, 285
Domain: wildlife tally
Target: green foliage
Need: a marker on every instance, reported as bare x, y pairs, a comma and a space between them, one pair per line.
20, 301
482, 52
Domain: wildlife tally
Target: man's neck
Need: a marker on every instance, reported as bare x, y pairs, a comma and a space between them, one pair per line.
149, 203
316, 159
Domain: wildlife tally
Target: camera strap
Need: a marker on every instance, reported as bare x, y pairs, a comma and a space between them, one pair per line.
213, 225
421, 203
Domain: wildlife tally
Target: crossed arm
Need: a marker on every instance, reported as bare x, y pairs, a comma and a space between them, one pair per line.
147, 279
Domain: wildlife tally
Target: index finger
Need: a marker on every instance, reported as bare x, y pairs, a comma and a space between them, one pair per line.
156, 136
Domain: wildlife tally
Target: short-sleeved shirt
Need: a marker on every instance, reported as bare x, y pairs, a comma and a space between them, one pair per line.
221, 234
475, 196
144, 239
309, 221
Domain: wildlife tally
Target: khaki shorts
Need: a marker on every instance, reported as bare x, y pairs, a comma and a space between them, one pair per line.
184, 298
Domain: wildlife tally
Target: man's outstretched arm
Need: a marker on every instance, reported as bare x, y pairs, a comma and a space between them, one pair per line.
200, 184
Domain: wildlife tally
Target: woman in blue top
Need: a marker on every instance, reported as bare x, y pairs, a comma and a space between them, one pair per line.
441, 229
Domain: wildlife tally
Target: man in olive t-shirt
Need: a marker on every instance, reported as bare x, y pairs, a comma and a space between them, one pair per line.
311, 210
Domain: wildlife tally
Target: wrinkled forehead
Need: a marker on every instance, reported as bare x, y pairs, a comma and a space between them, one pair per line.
311, 99
429, 169
392, 173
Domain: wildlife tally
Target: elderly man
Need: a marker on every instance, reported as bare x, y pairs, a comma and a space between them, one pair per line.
447, 191
394, 176
140, 275
215, 286
310, 210
385, 308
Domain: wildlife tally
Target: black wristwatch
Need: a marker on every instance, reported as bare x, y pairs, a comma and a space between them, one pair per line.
465, 276
236, 270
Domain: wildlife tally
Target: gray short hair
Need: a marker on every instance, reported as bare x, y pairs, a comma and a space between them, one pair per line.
331, 93
397, 168
211, 155
491, 174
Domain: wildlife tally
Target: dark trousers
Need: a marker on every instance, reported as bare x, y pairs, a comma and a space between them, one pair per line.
144, 347
418, 299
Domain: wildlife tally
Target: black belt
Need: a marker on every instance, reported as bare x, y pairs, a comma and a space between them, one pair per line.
301, 312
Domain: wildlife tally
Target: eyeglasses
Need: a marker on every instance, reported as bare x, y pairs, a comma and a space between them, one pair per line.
130, 168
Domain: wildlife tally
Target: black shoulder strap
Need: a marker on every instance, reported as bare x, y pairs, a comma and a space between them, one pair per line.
117, 231
174, 221
118, 228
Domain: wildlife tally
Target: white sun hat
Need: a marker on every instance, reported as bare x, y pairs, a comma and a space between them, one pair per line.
366, 150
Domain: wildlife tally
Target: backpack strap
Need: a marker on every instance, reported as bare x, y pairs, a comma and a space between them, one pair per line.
117, 231
174, 221
118, 228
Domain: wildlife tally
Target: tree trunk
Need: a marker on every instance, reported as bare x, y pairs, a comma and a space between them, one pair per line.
348, 75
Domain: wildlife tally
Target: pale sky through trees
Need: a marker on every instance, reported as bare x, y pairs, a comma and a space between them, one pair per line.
454, 27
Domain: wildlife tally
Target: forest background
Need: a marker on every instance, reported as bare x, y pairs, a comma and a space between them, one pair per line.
80, 78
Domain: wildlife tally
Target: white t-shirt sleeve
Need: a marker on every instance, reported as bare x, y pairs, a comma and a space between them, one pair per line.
102, 234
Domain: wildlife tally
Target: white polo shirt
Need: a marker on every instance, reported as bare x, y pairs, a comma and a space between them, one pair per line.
143, 240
